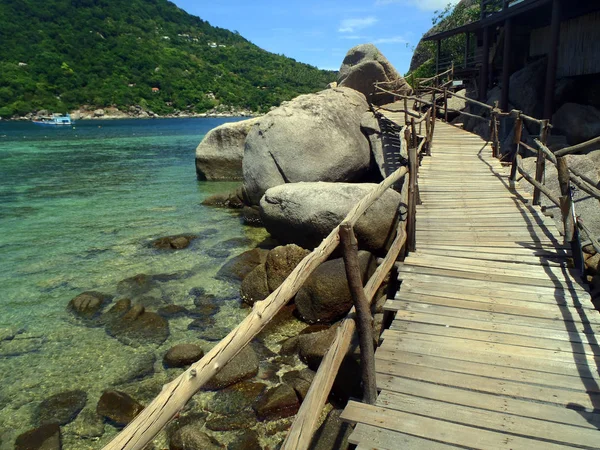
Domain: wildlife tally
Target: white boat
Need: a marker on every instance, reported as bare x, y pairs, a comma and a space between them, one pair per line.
54, 119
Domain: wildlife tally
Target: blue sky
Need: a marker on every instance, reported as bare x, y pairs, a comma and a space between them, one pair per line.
321, 32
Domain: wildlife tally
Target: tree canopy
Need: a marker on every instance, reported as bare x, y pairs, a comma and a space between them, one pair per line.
62, 54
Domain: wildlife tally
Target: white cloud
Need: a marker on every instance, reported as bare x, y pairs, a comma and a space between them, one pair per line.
353, 25
391, 40
354, 37
425, 5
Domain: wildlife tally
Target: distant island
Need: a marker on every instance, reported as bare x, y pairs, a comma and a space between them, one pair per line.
140, 57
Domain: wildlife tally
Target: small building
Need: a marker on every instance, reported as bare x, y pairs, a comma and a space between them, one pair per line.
155, 89
511, 33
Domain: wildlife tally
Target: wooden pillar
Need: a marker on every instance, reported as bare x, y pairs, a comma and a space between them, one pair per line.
565, 198
446, 105
540, 167
515, 160
364, 320
506, 58
467, 45
552, 60
485, 64
437, 60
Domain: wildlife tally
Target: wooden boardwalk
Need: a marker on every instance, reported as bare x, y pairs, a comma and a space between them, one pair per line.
493, 344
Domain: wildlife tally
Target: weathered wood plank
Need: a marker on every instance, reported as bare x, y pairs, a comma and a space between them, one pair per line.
438, 429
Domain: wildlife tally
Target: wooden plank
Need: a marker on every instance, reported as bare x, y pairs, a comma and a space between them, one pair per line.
473, 265
509, 298
489, 256
482, 346
403, 329
497, 421
497, 318
550, 312
439, 430
477, 353
410, 278
369, 437
490, 402
584, 334
558, 381
391, 374
491, 277
501, 250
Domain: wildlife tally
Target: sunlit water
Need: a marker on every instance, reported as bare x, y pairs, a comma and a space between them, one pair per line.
78, 207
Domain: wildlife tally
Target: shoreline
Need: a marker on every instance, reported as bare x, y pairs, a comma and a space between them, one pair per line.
79, 115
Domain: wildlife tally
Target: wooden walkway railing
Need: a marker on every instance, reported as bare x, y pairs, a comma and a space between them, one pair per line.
493, 343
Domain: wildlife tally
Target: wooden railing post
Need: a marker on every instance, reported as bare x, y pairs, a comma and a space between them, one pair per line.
566, 205
517, 140
413, 133
446, 105
406, 111
364, 320
540, 167
413, 164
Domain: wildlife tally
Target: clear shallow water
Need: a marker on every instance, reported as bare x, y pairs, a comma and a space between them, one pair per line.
78, 207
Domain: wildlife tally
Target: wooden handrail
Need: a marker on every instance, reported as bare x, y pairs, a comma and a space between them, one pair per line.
578, 147
176, 394
300, 434
589, 234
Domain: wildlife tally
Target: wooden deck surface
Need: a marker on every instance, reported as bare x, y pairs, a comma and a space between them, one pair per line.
493, 343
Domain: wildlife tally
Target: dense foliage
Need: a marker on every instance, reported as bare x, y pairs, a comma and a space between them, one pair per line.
452, 16
62, 54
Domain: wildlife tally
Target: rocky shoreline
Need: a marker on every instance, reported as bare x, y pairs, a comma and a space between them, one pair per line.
137, 112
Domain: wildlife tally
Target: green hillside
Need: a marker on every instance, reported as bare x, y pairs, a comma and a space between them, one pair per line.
62, 54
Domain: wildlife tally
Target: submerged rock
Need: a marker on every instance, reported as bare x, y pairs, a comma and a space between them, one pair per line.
314, 137
88, 305
189, 437
248, 440
333, 434
235, 398
45, 437
118, 407
177, 242
243, 366
277, 403
300, 381
313, 346
62, 408
139, 326
241, 420
182, 355
239, 266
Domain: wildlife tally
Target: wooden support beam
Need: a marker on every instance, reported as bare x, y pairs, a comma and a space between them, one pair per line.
364, 320
485, 64
516, 142
552, 60
506, 66
566, 203
446, 105
437, 60
540, 166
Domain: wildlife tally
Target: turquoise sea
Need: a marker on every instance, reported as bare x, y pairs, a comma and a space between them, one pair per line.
78, 207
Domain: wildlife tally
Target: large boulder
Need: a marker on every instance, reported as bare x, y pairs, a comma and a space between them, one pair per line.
369, 125
579, 123
325, 296
219, 155
305, 213
243, 366
526, 88
239, 266
315, 137
363, 66
62, 408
